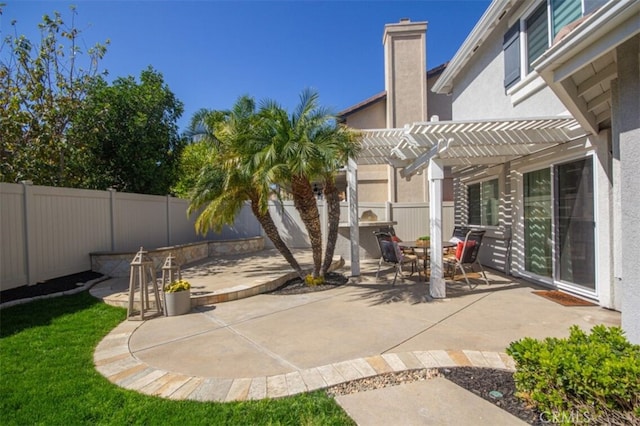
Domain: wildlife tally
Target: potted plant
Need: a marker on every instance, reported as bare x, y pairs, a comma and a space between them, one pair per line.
177, 298
423, 241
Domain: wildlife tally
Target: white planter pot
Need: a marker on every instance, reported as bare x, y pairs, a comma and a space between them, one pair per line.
177, 303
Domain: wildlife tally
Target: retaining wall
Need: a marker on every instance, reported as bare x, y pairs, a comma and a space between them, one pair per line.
119, 264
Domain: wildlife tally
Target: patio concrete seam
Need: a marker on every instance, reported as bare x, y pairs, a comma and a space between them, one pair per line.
437, 323
176, 340
244, 321
262, 348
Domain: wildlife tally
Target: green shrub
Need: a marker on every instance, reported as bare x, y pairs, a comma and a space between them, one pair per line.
597, 372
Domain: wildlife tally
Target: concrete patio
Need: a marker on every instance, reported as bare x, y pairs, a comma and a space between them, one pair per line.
271, 345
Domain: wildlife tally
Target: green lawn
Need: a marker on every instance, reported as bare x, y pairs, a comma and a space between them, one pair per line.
47, 377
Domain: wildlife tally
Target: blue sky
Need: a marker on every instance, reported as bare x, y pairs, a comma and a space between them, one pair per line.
212, 52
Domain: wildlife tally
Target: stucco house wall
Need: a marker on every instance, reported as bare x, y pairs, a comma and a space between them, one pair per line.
439, 105
405, 50
371, 116
627, 118
479, 92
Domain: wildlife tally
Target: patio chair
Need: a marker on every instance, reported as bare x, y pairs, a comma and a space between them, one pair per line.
406, 250
467, 255
390, 253
387, 230
459, 234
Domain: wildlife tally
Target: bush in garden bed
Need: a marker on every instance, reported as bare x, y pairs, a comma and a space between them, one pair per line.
581, 378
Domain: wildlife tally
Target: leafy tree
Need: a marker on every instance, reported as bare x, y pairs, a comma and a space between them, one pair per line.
230, 176
42, 87
192, 160
304, 147
131, 135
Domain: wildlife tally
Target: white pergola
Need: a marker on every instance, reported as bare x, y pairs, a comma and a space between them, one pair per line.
435, 145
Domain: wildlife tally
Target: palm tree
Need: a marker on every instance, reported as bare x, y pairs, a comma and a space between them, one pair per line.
305, 146
229, 177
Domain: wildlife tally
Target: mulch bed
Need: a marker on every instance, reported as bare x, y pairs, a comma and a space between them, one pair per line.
298, 286
563, 298
483, 382
55, 285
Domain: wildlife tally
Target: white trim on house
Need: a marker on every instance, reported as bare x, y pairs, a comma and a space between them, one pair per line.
494, 13
561, 65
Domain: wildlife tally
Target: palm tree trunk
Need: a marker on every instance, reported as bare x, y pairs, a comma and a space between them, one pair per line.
332, 199
305, 202
271, 230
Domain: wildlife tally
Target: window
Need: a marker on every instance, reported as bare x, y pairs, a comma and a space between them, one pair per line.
483, 203
537, 32
564, 12
532, 35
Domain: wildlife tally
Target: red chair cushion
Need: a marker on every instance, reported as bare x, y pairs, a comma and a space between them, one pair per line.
460, 248
396, 239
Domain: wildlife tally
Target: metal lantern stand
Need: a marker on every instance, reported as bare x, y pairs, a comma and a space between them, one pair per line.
141, 276
170, 273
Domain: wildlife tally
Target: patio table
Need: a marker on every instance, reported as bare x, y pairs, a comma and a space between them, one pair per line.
415, 245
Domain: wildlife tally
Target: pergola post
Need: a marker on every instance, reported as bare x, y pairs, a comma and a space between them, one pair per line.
437, 284
354, 229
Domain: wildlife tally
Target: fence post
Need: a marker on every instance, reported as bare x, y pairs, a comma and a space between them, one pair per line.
29, 244
168, 220
112, 214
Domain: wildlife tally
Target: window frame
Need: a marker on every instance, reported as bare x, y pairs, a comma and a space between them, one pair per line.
483, 217
525, 74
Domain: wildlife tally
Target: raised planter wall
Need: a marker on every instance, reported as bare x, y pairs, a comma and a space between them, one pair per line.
119, 264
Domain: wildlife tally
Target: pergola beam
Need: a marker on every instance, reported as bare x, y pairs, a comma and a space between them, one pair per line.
434, 145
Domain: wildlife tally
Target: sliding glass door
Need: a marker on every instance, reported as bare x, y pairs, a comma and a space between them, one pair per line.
559, 223
538, 241
575, 223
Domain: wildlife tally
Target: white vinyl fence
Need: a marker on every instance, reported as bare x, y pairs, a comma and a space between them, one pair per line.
48, 232
412, 219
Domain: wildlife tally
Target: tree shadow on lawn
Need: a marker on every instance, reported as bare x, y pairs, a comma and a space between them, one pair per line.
43, 312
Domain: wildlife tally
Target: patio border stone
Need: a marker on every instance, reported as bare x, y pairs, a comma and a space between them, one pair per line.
114, 360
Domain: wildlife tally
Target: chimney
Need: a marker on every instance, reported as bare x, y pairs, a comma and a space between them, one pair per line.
405, 62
